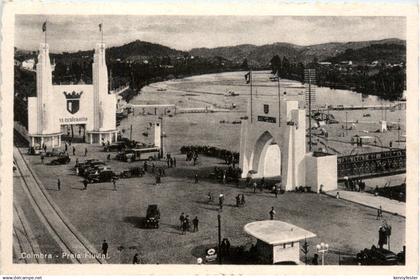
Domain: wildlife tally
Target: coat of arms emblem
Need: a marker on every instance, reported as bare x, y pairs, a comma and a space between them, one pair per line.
266, 109
73, 101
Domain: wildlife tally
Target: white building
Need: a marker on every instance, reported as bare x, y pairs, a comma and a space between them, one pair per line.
58, 106
273, 143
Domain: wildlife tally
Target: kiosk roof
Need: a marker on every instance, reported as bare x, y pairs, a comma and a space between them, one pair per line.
276, 232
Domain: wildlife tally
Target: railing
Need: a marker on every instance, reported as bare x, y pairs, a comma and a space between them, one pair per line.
372, 164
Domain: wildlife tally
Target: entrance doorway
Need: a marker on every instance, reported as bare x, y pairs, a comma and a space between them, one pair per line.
267, 157
75, 133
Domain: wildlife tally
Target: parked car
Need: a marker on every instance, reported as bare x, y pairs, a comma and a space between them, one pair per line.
84, 168
132, 172
102, 176
64, 159
35, 150
53, 153
152, 216
377, 256
115, 147
138, 154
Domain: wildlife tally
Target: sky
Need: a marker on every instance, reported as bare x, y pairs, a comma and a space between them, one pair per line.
73, 33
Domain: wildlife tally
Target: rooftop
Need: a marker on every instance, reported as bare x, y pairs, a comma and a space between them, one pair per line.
276, 232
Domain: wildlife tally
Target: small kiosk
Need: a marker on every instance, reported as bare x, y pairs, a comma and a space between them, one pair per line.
277, 241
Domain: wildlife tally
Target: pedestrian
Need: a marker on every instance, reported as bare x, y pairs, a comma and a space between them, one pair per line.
187, 222
157, 179
77, 161
145, 166
210, 197
136, 259
221, 199
243, 200
337, 195
195, 224
184, 226
108, 157
383, 237
74, 151
379, 215
238, 200
42, 158
272, 213
315, 259
174, 161
85, 184
181, 219
168, 162
86, 151
104, 248
58, 184
196, 178
114, 183
65, 147
254, 185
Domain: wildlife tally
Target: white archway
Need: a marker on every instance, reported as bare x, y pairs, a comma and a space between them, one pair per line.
267, 157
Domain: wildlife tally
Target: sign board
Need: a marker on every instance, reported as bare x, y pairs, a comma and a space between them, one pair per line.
266, 119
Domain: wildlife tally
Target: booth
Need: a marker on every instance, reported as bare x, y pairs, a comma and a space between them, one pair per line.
277, 241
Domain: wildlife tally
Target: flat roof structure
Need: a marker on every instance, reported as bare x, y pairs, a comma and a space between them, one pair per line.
277, 232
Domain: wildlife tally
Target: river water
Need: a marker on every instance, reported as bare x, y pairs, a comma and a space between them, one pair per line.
212, 90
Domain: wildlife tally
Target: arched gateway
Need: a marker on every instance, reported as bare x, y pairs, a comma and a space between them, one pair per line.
56, 107
273, 143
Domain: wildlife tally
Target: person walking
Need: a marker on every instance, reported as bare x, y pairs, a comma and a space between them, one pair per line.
104, 248
181, 219
42, 158
86, 152
85, 184
58, 184
209, 197
65, 147
254, 185
272, 213
136, 259
174, 159
74, 151
184, 226
243, 200
114, 184
195, 224
238, 200
196, 178
379, 214
221, 199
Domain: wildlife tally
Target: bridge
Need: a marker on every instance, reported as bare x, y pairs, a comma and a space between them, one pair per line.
370, 165
397, 106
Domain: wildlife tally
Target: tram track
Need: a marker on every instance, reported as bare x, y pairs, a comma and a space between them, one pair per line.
75, 248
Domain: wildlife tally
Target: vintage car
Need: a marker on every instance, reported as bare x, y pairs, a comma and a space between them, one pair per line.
377, 256
132, 172
63, 159
138, 154
152, 217
102, 176
53, 153
85, 168
36, 150
115, 147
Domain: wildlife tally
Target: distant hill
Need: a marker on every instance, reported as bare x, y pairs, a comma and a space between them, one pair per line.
365, 51
261, 55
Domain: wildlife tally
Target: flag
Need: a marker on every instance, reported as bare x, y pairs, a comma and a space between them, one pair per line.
248, 77
100, 27
44, 26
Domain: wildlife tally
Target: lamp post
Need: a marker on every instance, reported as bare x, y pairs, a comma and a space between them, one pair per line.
161, 136
219, 234
399, 131
322, 248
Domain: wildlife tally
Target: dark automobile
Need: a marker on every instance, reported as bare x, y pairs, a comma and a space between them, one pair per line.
115, 147
36, 150
86, 167
102, 176
54, 153
152, 216
377, 256
132, 172
64, 159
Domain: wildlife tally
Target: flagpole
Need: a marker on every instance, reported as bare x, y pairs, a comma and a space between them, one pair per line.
250, 80
45, 35
278, 92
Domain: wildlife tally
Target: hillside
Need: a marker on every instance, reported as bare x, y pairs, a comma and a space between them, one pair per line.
261, 55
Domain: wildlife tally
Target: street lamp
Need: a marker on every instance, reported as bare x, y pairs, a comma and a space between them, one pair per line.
322, 248
161, 136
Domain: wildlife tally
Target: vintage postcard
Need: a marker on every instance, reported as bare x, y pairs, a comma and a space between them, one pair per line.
209, 139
